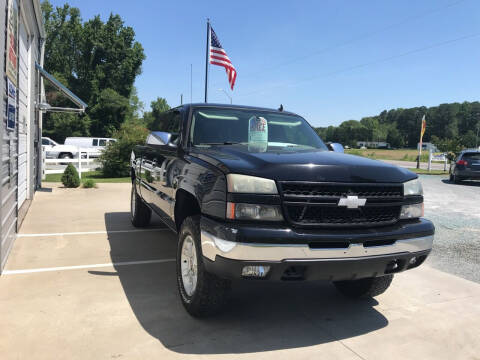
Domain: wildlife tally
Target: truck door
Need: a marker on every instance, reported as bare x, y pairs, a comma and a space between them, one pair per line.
163, 173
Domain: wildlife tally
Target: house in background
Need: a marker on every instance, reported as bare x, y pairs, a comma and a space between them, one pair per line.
373, 144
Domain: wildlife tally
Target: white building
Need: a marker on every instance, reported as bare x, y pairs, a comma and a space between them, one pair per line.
21, 59
426, 146
373, 144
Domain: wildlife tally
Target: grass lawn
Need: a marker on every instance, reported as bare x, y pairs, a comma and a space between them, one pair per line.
384, 154
94, 175
426, 172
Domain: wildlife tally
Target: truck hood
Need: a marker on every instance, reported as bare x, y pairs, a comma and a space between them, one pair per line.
301, 165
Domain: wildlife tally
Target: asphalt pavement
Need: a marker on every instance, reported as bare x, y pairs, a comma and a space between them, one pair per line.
455, 211
82, 283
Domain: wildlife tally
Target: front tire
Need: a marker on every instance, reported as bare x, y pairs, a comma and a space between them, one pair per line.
140, 213
364, 288
202, 293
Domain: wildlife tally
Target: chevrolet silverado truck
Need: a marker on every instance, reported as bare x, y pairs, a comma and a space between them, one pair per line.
254, 194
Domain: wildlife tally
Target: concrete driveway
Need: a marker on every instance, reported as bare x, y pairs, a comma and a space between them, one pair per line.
81, 282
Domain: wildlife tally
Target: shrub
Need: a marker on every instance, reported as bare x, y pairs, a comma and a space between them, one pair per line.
70, 177
115, 159
89, 183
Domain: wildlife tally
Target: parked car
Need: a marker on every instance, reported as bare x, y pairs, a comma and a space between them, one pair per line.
55, 150
93, 144
69, 150
466, 166
254, 194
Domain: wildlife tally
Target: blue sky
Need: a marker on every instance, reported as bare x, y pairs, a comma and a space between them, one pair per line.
329, 61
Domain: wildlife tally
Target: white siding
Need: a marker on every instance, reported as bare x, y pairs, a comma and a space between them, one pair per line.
23, 114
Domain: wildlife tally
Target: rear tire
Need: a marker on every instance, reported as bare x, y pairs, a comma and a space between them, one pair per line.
202, 293
455, 179
140, 213
66, 156
365, 288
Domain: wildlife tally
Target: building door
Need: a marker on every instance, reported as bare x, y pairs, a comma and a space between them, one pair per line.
23, 112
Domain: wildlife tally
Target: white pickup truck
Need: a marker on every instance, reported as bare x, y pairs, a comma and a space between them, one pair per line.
69, 150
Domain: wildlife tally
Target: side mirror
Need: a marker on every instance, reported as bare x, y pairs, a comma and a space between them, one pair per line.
336, 147
160, 138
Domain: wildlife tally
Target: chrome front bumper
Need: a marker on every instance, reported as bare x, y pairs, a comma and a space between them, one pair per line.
213, 246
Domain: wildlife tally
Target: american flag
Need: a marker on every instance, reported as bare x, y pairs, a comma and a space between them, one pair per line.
219, 57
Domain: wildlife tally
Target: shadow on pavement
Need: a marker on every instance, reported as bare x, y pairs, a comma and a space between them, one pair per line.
259, 317
463, 182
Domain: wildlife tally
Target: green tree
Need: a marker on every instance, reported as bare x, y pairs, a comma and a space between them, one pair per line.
70, 178
154, 119
453, 125
58, 126
115, 159
98, 61
394, 138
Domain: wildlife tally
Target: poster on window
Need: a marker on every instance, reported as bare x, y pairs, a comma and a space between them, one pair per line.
12, 43
11, 113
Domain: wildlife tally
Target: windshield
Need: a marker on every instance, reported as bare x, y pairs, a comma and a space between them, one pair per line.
218, 126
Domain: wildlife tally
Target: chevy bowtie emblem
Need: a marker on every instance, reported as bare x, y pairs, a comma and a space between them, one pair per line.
351, 202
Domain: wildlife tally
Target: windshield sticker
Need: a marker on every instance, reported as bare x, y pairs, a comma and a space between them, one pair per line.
257, 134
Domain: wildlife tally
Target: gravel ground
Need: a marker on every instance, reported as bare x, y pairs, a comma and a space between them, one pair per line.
412, 164
455, 211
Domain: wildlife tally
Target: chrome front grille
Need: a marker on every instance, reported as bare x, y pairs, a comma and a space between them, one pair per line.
316, 204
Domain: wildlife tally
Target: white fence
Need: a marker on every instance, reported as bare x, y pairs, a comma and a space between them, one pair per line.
83, 163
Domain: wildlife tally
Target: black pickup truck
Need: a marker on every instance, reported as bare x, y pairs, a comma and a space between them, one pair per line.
255, 194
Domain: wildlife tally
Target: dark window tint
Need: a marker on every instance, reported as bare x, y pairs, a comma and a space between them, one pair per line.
102, 142
168, 121
95, 142
218, 125
471, 156
45, 142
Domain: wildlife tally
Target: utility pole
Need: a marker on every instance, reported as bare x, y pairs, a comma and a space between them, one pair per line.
181, 99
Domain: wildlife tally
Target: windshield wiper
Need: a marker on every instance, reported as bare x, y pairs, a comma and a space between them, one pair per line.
220, 143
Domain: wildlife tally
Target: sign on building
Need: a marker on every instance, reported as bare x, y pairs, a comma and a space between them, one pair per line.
12, 41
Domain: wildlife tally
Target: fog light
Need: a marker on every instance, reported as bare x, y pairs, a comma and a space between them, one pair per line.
255, 271
413, 261
411, 211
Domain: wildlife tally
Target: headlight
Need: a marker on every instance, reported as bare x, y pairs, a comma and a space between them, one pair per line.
254, 212
411, 211
237, 183
412, 187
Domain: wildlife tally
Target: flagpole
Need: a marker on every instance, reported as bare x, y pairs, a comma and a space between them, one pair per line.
206, 59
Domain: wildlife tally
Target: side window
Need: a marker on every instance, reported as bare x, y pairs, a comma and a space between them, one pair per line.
168, 121
102, 142
174, 122
45, 142
95, 142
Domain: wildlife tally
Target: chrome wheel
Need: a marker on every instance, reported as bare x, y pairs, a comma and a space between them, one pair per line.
189, 266
133, 202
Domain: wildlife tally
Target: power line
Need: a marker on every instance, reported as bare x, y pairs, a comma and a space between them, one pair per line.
352, 40
410, 52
